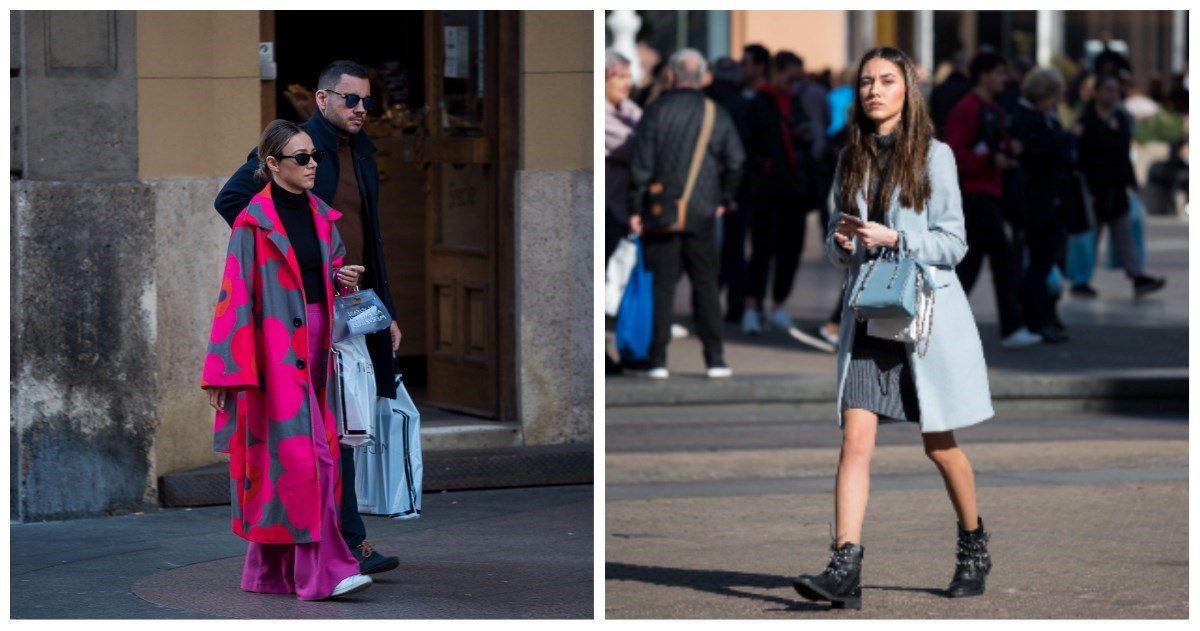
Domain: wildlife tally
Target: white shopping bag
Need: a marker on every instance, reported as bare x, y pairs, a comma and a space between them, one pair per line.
388, 475
353, 391
616, 275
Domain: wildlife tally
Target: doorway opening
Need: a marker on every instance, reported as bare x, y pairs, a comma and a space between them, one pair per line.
446, 154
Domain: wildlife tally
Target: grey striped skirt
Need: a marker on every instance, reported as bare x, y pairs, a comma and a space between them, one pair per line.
880, 379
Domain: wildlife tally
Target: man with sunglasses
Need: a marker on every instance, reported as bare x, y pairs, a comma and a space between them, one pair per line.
347, 180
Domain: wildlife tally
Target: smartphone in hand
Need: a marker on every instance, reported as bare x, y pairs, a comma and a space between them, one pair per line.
853, 219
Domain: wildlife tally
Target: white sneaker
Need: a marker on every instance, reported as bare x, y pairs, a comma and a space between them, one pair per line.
720, 372
678, 331
780, 319
812, 340
657, 373
351, 585
750, 323
1020, 338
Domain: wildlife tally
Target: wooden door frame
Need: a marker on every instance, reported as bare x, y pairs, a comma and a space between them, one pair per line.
266, 33
502, 78
508, 110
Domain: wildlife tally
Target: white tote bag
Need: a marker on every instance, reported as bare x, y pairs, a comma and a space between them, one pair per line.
353, 391
616, 275
389, 474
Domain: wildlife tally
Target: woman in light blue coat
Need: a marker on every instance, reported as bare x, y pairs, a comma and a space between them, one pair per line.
897, 188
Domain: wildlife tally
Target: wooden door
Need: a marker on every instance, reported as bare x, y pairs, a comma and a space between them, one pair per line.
469, 218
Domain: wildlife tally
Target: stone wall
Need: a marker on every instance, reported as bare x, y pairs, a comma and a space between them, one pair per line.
190, 244
113, 287
79, 89
555, 305
83, 329
555, 228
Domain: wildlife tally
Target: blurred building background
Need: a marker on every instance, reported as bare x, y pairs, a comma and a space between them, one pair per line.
1153, 44
1155, 41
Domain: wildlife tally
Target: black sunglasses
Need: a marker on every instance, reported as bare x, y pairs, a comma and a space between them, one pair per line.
303, 158
353, 99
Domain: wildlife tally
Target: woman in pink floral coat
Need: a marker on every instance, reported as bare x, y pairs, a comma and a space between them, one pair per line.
266, 373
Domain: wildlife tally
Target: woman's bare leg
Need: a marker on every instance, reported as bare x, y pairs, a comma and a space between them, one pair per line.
956, 474
854, 473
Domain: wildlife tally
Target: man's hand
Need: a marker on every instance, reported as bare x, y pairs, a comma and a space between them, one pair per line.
395, 336
720, 211
635, 224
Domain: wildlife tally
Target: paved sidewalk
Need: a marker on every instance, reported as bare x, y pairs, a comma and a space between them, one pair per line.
719, 492
496, 554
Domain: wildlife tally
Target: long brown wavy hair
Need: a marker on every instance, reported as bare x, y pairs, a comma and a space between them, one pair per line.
909, 165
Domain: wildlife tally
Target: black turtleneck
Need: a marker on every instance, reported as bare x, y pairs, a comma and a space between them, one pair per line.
884, 146
297, 217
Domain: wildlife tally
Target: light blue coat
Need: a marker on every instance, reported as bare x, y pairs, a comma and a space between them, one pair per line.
951, 380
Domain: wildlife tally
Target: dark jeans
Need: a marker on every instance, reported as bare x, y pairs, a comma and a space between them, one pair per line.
733, 262
1044, 244
614, 231
777, 233
666, 255
984, 216
353, 530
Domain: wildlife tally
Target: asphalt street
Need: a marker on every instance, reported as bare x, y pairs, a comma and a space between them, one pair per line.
1089, 519
523, 553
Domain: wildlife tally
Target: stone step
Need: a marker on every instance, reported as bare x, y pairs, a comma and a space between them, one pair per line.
444, 470
629, 400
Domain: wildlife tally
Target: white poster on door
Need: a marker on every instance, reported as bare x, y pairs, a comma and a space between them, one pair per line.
458, 52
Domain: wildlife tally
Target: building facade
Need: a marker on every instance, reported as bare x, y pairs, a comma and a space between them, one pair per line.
125, 125
1155, 41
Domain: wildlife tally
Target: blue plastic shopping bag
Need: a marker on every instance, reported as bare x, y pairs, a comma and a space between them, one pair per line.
1137, 221
1081, 257
635, 318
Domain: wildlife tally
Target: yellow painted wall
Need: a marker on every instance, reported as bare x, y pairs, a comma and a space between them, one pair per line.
198, 92
557, 91
819, 37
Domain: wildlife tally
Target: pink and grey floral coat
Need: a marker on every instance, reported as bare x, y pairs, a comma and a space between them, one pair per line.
259, 348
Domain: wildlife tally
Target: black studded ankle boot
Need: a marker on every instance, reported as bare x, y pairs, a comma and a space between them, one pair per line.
973, 563
840, 583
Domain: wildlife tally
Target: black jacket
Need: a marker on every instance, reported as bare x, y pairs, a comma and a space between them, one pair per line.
945, 96
236, 194
768, 168
1042, 186
663, 146
729, 96
1104, 160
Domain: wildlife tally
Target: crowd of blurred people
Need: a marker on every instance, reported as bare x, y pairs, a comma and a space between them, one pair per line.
1044, 162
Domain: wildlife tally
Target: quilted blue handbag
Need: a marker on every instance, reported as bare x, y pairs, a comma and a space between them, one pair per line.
887, 286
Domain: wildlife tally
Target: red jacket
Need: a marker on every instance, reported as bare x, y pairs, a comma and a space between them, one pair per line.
258, 342
974, 148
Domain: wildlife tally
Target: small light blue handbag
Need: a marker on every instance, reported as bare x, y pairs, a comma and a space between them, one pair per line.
887, 286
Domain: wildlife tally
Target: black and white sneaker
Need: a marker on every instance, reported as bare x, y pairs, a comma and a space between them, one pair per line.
1143, 285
